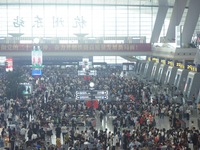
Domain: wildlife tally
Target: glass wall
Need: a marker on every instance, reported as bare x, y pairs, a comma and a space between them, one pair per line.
101, 18
110, 59
69, 20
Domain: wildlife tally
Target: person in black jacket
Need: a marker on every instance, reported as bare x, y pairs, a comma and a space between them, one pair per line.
195, 141
30, 132
42, 134
58, 131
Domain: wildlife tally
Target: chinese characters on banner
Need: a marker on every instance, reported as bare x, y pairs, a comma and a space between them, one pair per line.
133, 47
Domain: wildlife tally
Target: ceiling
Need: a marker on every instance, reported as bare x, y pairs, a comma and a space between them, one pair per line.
94, 2
116, 2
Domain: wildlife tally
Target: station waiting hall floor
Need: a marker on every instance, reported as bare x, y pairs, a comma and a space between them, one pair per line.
108, 119
160, 124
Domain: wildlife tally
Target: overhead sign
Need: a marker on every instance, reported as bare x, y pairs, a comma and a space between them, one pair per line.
90, 72
170, 63
94, 94
189, 64
191, 68
179, 64
149, 58
163, 61
154, 59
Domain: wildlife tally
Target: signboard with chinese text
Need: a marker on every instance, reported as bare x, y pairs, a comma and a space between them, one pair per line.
149, 58
189, 64
170, 63
192, 68
154, 59
163, 61
179, 64
133, 47
97, 94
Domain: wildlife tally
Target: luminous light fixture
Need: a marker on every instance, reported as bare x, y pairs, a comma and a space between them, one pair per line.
91, 84
36, 40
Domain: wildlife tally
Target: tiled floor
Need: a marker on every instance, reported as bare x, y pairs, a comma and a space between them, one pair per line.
107, 124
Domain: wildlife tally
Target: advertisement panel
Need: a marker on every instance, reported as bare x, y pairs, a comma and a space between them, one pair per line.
2, 60
36, 58
36, 72
9, 64
27, 88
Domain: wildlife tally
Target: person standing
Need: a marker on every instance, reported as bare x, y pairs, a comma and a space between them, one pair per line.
30, 133
42, 134
58, 131
188, 112
12, 141
195, 141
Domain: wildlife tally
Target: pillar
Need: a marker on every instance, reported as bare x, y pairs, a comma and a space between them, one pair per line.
175, 19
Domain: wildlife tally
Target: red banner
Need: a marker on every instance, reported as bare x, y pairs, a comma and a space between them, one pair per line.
131, 47
93, 103
87, 78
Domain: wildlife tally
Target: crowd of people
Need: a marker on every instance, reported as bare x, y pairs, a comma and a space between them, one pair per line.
51, 110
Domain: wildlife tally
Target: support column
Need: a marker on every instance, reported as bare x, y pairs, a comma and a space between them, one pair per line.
160, 18
175, 19
190, 21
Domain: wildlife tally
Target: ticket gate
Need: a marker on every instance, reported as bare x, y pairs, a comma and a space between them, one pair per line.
170, 75
141, 67
137, 68
180, 79
154, 71
161, 73
148, 70
192, 85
